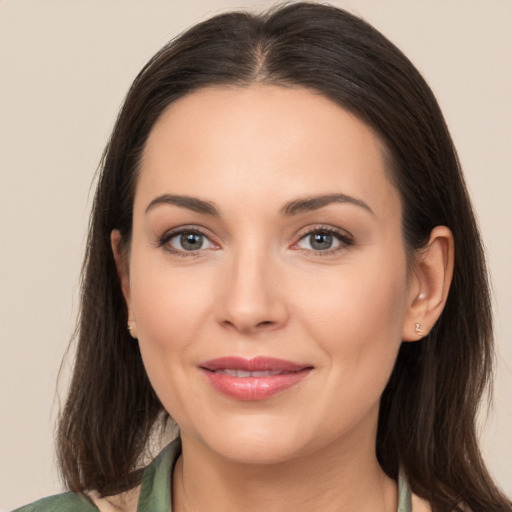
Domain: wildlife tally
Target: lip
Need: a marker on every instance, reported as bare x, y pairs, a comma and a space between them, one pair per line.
228, 375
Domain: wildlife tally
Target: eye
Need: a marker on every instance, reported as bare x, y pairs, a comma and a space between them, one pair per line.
186, 241
326, 240
319, 241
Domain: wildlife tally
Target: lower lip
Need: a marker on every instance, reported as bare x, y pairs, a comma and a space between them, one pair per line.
254, 388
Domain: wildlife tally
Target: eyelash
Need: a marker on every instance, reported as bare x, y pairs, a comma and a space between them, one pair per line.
169, 235
343, 237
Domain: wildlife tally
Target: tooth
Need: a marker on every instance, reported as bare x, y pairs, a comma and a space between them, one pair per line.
244, 373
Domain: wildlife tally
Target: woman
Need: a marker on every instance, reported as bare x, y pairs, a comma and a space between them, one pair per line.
283, 259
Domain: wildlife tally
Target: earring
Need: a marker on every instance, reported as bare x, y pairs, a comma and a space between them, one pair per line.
419, 330
130, 327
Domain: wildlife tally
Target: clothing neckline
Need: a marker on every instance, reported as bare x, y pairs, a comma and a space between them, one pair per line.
156, 488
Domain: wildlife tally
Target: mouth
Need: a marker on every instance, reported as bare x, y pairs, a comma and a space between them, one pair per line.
253, 379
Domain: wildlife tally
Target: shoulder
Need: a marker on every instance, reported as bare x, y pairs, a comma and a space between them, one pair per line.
419, 505
125, 502
155, 487
71, 502
66, 502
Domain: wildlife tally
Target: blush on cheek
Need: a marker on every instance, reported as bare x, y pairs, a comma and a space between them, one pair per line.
358, 323
168, 302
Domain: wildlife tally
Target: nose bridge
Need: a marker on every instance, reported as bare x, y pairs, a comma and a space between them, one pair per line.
252, 298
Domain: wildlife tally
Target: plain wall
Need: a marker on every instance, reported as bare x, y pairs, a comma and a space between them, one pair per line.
64, 69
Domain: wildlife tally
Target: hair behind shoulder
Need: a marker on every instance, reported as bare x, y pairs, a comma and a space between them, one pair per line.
429, 407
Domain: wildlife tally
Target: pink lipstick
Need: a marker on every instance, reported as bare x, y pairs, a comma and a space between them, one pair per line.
253, 379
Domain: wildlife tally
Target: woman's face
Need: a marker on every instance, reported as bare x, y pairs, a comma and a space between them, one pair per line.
268, 284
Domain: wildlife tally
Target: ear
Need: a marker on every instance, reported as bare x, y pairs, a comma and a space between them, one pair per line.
123, 272
429, 284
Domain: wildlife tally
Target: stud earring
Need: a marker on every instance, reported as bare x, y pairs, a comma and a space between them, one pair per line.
419, 330
130, 327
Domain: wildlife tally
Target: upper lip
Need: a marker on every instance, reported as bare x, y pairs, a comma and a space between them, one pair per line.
256, 364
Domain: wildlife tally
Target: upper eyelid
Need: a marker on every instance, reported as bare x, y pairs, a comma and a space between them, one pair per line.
300, 233
185, 229
343, 233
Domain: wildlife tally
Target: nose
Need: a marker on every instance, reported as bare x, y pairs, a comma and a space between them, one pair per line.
252, 297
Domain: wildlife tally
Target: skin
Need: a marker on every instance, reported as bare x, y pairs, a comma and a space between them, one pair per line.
257, 287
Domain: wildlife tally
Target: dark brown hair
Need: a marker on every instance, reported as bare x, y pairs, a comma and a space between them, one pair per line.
429, 407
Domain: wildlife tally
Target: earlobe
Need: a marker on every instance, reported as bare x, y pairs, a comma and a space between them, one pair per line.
121, 260
432, 276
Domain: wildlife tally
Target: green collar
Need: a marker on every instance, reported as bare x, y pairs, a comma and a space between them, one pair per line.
156, 492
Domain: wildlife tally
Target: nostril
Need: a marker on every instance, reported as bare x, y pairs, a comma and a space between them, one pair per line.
265, 323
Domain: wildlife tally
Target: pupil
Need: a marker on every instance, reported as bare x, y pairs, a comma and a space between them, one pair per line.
321, 241
191, 241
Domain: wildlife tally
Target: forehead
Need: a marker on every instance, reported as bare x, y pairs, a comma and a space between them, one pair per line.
262, 141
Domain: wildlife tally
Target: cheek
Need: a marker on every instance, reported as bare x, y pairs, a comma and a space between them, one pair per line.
167, 304
356, 318
170, 309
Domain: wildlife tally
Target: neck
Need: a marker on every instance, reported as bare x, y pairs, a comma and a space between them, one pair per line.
332, 479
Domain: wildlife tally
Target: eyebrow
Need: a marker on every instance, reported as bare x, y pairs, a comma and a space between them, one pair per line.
312, 203
294, 207
191, 203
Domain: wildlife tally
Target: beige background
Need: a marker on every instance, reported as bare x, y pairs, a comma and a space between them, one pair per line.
64, 69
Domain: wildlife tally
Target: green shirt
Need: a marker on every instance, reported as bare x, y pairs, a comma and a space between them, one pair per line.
156, 491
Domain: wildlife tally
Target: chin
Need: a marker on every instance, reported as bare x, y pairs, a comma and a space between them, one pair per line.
256, 442
258, 451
